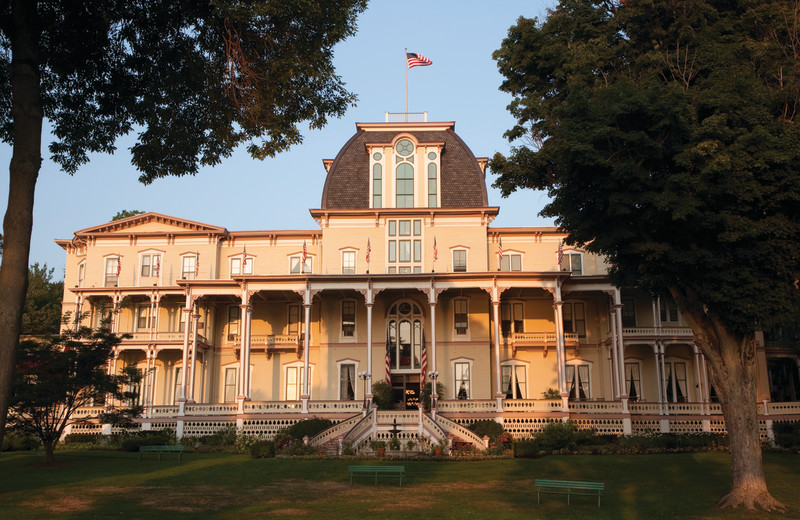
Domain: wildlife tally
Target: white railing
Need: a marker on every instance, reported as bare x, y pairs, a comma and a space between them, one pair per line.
335, 406
644, 408
539, 338
164, 411
88, 411
406, 117
273, 407
211, 409
360, 431
435, 432
597, 407
783, 408
653, 331
686, 408
274, 340
532, 405
676, 331
473, 405
638, 331
388, 417
334, 431
160, 336
459, 431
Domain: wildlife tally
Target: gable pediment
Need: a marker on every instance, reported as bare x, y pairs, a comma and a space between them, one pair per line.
151, 223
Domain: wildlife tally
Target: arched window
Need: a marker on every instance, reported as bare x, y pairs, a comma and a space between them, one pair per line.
404, 327
432, 182
377, 184
405, 186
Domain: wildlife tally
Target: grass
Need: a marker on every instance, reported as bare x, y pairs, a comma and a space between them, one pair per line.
102, 484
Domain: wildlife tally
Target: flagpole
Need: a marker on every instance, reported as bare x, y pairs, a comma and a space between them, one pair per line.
405, 58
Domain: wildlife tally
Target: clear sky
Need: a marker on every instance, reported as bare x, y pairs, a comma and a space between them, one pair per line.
243, 193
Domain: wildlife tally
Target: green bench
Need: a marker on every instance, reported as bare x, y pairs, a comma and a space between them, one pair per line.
161, 450
377, 471
569, 488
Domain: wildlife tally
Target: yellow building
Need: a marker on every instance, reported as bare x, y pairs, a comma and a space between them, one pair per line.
404, 281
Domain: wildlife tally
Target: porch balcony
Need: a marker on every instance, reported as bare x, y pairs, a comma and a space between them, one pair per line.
272, 343
645, 333
164, 338
546, 340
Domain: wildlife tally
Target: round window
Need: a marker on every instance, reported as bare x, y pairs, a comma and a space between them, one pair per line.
404, 147
377, 156
432, 155
405, 308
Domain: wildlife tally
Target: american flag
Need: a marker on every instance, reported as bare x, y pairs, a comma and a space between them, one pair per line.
435, 250
369, 250
157, 267
500, 248
388, 361
560, 254
305, 255
197, 264
119, 265
417, 60
244, 262
423, 362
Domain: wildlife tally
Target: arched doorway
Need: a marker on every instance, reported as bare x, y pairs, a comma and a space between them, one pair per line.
405, 334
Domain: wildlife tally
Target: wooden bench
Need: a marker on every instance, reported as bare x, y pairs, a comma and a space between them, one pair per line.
376, 471
569, 488
172, 448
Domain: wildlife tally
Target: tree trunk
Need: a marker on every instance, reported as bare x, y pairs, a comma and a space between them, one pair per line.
735, 382
732, 359
49, 451
26, 112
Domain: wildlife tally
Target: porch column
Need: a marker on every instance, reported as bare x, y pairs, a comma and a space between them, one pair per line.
195, 317
116, 312
244, 348
432, 303
248, 352
623, 395
187, 310
152, 387
156, 298
561, 355
659, 398
203, 377
78, 310
368, 395
699, 385
306, 343
615, 382
499, 395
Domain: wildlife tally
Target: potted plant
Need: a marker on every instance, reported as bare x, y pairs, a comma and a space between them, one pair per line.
410, 445
378, 446
394, 444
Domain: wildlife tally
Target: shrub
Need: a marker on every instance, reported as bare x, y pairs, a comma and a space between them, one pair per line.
425, 395
787, 434
309, 427
558, 436
262, 449
151, 438
526, 448
20, 441
82, 438
488, 427
382, 395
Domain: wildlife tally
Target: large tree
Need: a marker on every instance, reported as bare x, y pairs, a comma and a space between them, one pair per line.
42, 314
666, 134
194, 79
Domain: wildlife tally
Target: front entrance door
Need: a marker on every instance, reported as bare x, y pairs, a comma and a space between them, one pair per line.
405, 391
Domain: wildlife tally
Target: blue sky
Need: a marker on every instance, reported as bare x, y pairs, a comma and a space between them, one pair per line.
242, 193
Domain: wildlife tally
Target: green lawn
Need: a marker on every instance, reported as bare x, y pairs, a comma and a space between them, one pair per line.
101, 484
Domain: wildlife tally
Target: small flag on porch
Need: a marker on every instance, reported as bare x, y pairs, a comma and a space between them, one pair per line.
435, 250
197, 264
157, 267
119, 265
388, 361
305, 255
369, 250
244, 261
500, 248
416, 59
423, 362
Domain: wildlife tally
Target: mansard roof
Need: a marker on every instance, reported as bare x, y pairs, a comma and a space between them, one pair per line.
463, 182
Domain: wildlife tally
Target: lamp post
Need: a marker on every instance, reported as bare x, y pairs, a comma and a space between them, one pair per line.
433, 375
364, 376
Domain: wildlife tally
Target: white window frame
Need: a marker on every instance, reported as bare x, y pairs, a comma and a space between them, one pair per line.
514, 374
342, 337
347, 266
456, 385
572, 305
512, 306
396, 242
466, 259
576, 363
567, 261
298, 365
666, 306
507, 257
356, 381
629, 378
467, 333
151, 257
192, 273
110, 265
232, 368
176, 394
81, 274
669, 376
143, 312
307, 267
